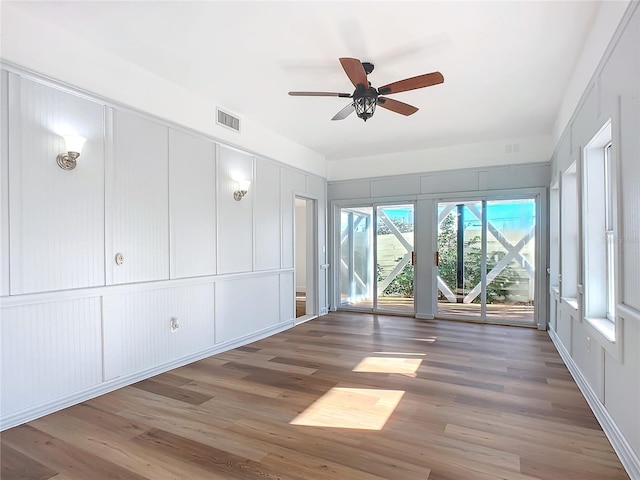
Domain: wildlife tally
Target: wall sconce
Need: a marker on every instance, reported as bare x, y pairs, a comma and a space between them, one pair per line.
73, 144
242, 186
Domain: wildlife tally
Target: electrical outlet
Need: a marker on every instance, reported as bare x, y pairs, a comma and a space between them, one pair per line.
175, 325
589, 344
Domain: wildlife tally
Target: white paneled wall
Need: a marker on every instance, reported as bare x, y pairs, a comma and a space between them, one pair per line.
138, 200
4, 187
237, 316
56, 216
267, 216
75, 323
137, 327
49, 350
235, 218
287, 303
607, 371
192, 199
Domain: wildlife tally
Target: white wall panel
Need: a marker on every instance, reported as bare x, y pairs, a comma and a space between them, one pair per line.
291, 182
566, 318
192, 200
56, 216
563, 155
237, 315
49, 350
586, 124
408, 185
267, 215
517, 176
235, 218
457, 181
137, 327
587, 357
138, 202
620, 98
629, 240
287, 302
4, 186
622, 383
349, 189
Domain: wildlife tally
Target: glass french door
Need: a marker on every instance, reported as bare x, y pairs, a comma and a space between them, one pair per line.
376, 258
486, 260
356, 257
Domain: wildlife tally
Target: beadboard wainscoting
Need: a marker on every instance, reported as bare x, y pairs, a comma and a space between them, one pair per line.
138, 260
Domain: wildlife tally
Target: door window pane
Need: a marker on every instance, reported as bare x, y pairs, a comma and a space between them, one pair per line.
356, 249
394, 252
459, 258
510, 260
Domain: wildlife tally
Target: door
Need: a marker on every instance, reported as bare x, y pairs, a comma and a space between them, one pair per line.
356, 258
394, 258
486, 258
376, 264
459, 259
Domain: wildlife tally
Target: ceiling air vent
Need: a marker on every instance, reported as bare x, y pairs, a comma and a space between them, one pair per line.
227, 120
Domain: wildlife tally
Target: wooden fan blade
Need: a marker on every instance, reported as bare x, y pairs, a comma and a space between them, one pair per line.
345, 112
355, 71
396, 106
320, 94
412, 83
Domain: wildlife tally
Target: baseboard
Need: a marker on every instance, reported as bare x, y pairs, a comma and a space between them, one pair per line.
31, 413
425, 316
629, 459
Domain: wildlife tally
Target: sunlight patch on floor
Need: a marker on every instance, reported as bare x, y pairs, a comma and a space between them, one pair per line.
427, 340
357, 408
404, 354
388, 365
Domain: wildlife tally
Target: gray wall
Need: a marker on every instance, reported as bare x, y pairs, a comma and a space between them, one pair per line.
608, 372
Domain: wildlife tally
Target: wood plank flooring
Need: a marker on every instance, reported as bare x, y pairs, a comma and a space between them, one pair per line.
344, 396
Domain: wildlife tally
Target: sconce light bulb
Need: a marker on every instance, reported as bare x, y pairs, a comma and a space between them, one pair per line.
74, 143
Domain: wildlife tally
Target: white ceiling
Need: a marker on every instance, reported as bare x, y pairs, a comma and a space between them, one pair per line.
506, 64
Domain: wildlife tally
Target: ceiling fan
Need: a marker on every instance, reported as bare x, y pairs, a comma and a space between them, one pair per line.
365, 97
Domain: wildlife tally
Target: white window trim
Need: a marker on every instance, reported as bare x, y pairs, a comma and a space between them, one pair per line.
605, 327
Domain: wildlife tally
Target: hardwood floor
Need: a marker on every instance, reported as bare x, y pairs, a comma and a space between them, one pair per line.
344, 396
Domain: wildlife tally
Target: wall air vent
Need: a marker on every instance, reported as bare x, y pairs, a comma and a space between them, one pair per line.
227, 120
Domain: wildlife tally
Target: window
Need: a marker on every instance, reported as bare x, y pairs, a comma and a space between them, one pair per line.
609, 188
599, 233
569, 236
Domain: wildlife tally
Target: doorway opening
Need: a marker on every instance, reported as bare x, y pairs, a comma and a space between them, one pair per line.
306, 276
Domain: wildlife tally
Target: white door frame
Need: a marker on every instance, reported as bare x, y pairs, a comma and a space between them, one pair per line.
311, 258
